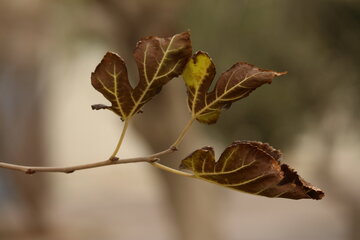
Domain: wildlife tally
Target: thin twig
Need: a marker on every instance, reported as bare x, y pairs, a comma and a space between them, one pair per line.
172, 148
166, 168
71, 169
182, 134
111, 161
159, 154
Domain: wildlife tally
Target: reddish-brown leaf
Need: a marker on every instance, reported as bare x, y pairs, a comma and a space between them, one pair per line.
158, 60
234, 84
251, 167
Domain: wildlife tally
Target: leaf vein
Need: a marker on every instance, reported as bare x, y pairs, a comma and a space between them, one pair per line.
203, 165
144, 64
170, 71
245, 182
227, 172
104, 87
115, 76
217, 99
136, 105
227, 159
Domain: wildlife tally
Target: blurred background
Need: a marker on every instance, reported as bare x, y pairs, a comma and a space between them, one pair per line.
48, 50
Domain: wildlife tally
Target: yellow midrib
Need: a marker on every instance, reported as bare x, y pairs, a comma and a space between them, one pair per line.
153, 78
236, 189
115, 76
245, 182
195, 99
197, 114
225, 172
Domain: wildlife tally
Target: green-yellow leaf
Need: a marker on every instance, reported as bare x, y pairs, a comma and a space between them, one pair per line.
251, 167
234, 84
158, 60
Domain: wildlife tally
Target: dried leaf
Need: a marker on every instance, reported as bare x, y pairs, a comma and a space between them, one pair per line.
252, 167
234, 84
158, 60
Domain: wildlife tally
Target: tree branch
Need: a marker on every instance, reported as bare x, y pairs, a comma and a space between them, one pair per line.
113, 161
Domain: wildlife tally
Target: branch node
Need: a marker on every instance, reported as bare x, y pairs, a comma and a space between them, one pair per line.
30, 171
174, 148
114, 159
155, 159
70, 171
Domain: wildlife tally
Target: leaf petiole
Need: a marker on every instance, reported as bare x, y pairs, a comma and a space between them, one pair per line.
172, 170
183, 133
123, 132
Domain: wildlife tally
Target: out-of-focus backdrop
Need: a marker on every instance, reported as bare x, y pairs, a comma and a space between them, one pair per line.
48, 50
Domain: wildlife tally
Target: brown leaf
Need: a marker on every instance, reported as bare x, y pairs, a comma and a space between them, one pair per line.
158, 60
234, 84
251, 167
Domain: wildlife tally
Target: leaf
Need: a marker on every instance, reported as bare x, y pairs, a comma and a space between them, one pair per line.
158, 60
234, 84
252, 167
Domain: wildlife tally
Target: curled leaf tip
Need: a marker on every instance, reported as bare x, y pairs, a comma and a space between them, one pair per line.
251, 167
